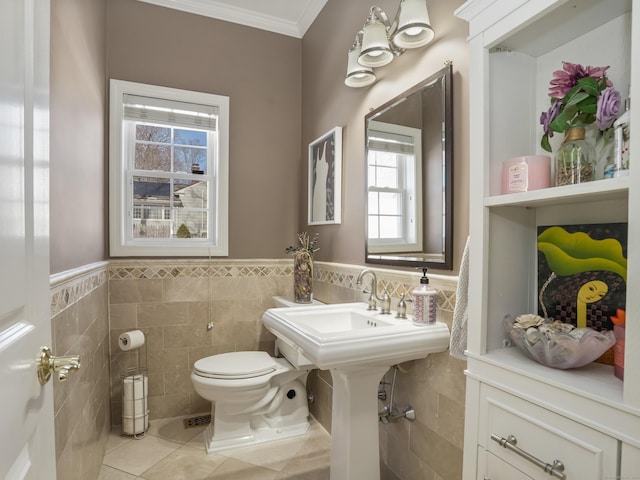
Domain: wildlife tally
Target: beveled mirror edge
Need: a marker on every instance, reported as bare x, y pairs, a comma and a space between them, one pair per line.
391, 260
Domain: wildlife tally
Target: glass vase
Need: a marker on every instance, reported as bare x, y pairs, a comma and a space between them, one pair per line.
575, 159
303, 277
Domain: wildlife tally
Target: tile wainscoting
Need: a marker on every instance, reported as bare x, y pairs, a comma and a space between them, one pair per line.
172, 301
80, 326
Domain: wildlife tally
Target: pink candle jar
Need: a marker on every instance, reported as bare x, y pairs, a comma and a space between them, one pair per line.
529, 172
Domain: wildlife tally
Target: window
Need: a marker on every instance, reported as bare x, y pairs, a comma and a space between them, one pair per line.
168, 180
393, 178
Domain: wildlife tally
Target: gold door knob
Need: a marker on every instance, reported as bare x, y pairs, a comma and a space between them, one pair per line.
47, 364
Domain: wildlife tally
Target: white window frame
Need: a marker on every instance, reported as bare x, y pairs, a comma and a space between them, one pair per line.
411, 240
121, 241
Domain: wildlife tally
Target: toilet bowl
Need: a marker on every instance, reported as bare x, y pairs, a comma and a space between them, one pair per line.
255, 399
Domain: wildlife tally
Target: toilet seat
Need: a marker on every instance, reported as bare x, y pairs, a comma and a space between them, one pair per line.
236, 365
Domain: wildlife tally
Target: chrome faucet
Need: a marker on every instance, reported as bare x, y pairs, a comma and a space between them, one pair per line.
373, 295
402, 307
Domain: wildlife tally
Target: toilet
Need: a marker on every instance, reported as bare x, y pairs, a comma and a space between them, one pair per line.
255, 398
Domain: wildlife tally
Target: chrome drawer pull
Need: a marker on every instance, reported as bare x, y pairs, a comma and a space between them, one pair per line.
555, 469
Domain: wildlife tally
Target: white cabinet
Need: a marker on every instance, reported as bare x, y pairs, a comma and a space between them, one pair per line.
630, 461
515, 45
491, 467
534, 439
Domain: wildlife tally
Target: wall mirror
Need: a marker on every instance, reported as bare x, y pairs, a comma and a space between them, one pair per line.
409, 188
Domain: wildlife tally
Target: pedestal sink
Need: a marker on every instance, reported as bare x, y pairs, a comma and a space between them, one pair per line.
358, 346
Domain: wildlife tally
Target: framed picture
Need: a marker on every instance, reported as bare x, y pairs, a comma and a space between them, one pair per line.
325, 178
582, 273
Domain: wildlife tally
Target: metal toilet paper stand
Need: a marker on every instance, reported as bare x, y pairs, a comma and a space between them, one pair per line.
135, 390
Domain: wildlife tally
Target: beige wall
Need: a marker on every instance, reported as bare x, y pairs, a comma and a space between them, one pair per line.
327, 103
94, 40
77, 175
260, 72
284, 93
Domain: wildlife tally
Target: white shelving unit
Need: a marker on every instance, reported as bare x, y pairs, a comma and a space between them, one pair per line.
587, 418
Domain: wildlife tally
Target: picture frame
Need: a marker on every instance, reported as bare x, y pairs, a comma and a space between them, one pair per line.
582, 273
325, 179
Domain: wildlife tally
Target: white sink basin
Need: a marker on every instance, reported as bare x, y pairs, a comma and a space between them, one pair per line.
358, 346
346, 334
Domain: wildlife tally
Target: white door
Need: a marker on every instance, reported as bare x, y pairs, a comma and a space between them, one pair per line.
27, 448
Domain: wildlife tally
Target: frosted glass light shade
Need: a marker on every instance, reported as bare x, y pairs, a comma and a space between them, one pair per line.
375, 45
357, 75
414, 27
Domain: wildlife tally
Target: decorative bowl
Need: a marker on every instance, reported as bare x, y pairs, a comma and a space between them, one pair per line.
556, 344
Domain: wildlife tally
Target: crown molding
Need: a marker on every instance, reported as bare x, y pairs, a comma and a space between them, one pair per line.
247, 17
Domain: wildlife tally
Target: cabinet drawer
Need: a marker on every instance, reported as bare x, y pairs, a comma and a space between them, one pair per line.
629, 461
544, 436
491, 467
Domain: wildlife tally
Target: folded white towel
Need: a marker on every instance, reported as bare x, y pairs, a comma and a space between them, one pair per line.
458, 341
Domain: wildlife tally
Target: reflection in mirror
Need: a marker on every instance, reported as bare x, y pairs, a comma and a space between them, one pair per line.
409, 152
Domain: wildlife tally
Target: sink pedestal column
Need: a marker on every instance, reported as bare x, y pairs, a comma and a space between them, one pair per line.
354, 423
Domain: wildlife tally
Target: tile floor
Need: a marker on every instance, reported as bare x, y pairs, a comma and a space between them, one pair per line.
168, 451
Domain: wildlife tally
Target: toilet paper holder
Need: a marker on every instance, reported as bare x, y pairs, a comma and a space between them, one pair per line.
135, 386
131, 340
135, 408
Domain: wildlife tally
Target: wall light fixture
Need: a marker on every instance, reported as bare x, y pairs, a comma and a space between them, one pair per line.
380, 40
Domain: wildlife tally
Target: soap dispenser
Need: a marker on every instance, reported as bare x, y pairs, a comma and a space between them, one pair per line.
424, 302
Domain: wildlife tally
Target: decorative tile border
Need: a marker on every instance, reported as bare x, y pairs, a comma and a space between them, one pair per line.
69, 287
394, 281
159, 269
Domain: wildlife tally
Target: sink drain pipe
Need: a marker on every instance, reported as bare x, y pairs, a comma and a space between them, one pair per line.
391, 413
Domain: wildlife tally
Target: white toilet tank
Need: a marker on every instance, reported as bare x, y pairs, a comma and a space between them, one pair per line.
289, 302
283, 347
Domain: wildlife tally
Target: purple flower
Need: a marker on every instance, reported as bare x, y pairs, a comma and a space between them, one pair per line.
547, 117
607, 108
567, 78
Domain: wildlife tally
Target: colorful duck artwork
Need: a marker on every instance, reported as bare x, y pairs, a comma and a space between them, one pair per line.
582, 273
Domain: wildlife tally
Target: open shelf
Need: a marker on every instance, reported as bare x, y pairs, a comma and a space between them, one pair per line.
564, 24
599, 190
595, 380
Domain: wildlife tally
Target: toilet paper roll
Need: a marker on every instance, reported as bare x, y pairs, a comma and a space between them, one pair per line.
135, 425
131, 340
135, 387
134, 408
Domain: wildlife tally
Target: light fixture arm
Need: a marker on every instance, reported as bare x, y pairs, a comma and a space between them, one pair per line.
377, 13
357, 41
